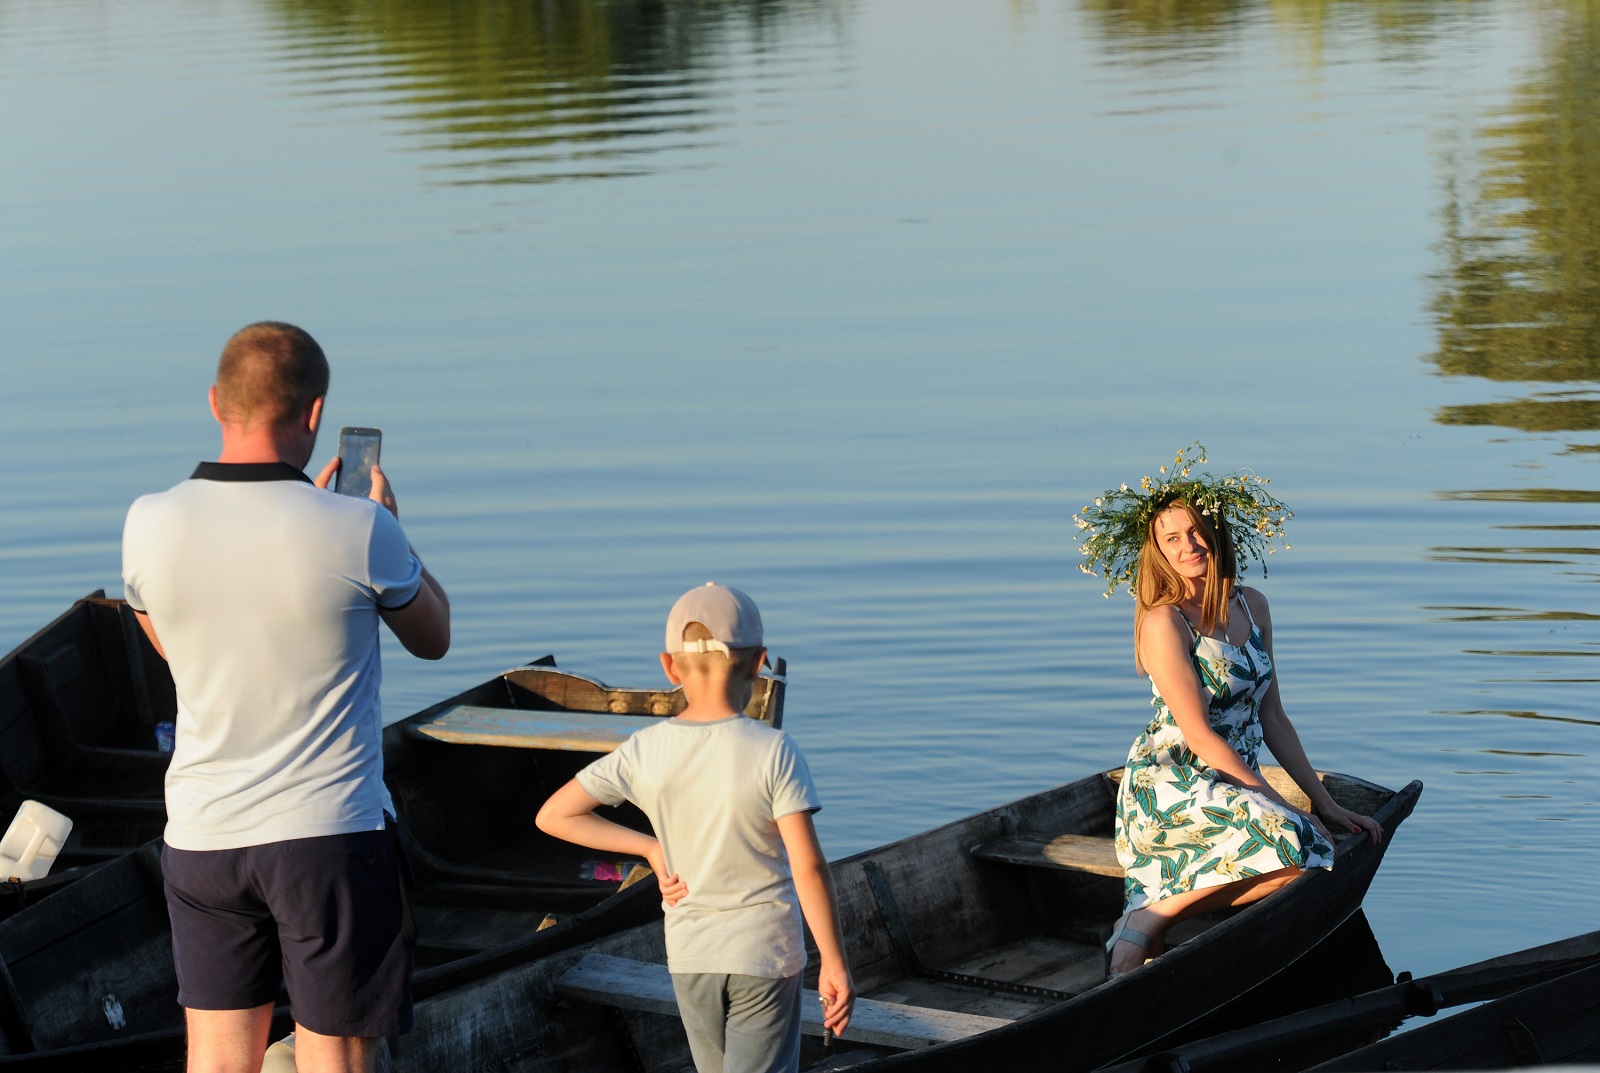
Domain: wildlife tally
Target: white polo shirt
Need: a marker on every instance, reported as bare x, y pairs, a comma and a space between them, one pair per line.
264, 590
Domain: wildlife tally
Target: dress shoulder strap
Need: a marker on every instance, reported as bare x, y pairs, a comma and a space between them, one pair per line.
1247, 614
1194, 634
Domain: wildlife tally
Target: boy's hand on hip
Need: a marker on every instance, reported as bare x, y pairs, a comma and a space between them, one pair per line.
838, 993
673, 888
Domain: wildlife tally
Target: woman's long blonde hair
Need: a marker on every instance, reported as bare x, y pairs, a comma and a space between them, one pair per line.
1158, 584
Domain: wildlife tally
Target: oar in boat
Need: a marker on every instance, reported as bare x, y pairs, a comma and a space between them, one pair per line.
1495, 978
1551, 1023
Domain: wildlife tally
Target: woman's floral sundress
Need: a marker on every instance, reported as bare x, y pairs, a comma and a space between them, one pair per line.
1180, 825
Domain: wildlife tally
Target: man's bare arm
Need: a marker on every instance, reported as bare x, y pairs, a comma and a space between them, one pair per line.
423, 625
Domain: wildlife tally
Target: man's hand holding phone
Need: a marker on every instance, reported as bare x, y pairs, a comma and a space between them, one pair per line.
381, 492
354, 471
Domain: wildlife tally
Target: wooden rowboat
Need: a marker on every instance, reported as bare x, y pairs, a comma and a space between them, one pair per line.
79, 703
86, 976
974, 946
1543, 1005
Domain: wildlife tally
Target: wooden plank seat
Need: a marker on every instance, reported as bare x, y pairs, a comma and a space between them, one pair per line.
1071, 853
641, 985
584, 732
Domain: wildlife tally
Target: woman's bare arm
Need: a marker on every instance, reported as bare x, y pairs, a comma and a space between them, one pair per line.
1284, 741
1165, 654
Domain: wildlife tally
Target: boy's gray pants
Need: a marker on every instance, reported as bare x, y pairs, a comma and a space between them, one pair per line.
740, 1024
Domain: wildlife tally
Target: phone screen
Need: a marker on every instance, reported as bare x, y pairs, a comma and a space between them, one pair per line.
358, 453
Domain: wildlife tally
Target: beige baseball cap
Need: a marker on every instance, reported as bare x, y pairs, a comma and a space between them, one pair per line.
729, 614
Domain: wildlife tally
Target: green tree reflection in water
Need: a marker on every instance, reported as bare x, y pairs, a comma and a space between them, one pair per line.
523, 92
1172, 28
1519, 299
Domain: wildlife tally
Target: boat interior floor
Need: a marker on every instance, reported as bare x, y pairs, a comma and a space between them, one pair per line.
462, 909
1044, 962
996, 982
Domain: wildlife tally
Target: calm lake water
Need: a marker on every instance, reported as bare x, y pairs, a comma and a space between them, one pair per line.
852, 303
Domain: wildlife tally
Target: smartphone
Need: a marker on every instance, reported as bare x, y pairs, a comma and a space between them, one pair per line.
358, 453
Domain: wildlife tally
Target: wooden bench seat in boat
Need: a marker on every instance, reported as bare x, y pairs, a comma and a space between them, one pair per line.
1070, 853
1098, 856
585, 732
641, 985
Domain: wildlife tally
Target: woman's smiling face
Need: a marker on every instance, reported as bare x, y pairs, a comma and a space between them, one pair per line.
1181, 543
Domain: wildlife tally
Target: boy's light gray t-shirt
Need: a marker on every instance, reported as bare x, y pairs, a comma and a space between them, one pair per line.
714, 793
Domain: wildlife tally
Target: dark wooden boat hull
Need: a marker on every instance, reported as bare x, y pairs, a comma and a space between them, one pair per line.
79, 701
1190, 981
141, 1048
948, 909
1344, 1033
1550, 1024
86, 977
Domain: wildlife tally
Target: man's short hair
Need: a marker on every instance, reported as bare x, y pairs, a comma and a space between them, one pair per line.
269, 372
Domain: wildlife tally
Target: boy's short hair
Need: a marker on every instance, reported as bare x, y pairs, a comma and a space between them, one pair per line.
739, 661
715, 622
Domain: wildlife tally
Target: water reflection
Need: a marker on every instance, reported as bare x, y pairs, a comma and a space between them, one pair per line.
1510, 614
1524, 495
1528, 556
1183, 19
1519, 299
1527, 715
1544, 412
539, 92
1177, 26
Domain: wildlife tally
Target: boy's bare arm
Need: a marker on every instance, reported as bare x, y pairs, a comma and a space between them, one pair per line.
568, 814
813, 883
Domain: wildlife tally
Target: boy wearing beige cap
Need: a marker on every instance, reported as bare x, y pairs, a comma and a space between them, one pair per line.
737, 859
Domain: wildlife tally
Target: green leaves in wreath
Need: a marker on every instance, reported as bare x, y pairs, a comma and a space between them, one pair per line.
1112, 529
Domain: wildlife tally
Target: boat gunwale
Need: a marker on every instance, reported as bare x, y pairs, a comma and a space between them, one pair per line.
1100, 1004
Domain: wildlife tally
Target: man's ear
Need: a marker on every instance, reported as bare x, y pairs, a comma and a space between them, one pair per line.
313, 415
211, 396
672, 674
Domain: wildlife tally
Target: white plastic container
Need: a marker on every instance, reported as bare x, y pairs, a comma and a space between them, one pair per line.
32, 841
280, 1056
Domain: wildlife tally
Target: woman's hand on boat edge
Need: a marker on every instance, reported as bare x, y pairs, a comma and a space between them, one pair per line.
1354, 822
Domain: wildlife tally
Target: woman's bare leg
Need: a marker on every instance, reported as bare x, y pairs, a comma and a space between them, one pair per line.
1157, 918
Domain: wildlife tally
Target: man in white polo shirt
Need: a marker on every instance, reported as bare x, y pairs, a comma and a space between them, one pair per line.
264, 591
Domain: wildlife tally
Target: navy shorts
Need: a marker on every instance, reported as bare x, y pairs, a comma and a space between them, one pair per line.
327, 918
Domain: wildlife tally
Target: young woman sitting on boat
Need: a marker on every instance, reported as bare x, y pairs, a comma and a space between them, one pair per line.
1198, 828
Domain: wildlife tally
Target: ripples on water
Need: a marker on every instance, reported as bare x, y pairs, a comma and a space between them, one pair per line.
852, 304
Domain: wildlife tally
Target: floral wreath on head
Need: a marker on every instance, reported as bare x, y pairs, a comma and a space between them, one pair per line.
1112, 529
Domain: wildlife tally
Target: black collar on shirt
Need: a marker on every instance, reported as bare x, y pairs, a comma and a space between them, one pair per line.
247, 471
